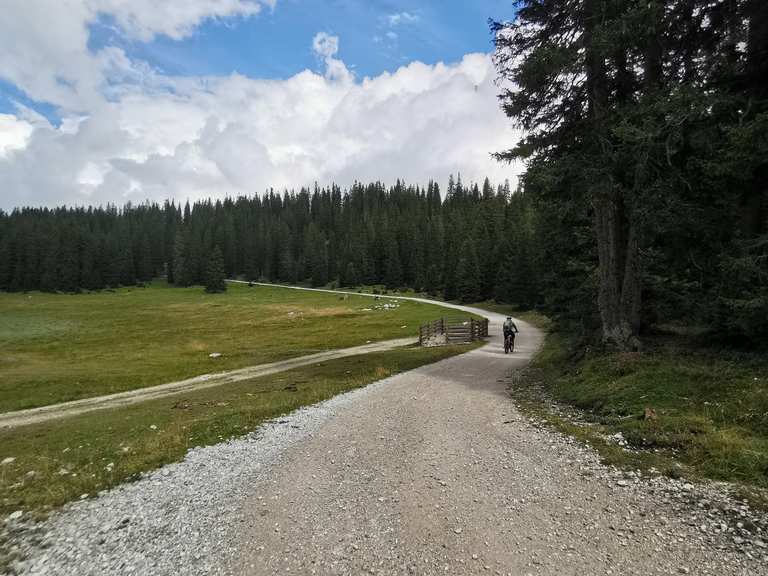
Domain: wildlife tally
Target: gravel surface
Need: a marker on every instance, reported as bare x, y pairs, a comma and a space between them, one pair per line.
429, 472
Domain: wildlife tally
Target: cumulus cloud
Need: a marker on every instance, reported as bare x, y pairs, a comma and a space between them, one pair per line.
145, 135
44, 43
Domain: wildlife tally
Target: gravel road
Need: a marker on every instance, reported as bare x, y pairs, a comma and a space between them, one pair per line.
433, 471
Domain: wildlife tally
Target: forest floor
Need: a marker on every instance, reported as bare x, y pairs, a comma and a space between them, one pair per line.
430, 471
59, 348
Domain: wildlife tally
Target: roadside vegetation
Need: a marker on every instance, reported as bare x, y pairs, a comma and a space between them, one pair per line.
55, 347
676, 408
64, 460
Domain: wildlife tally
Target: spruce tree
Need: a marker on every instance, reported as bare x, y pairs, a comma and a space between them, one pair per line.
394, 270
215, 276
89, 273
350, 278
505, 280
468, 273
69, 265
181, 273
49, 280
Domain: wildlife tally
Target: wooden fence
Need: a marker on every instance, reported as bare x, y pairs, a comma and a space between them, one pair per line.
454, 329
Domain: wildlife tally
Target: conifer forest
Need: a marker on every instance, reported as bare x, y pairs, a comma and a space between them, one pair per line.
644, 199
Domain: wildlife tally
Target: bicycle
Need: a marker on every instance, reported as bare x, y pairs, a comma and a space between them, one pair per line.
509, 343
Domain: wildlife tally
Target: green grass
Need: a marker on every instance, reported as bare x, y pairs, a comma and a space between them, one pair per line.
55, 348
711, 408
58, 461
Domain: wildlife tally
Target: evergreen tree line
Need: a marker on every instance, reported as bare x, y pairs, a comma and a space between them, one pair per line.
472, 243
644, 202
647, 160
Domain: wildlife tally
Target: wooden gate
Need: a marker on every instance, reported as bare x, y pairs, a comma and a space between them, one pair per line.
456, 330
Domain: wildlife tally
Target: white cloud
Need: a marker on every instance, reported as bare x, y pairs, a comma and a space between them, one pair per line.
44, 43
145, 19
326, 47
236, 135
399, 18
14, 134
132, 133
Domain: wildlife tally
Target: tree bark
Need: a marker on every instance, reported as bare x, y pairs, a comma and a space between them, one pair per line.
617, 243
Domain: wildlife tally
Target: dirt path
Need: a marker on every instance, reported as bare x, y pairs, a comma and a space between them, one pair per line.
76, 407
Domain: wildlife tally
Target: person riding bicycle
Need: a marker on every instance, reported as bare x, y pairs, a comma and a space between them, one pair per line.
510, 328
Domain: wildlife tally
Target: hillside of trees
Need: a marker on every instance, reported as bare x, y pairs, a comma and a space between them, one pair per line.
647, 159
476, 242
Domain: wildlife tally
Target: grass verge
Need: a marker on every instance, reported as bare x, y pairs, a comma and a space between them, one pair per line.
62, 460
55, 347
678, 411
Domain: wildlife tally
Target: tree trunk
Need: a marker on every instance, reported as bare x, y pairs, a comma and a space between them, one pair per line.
619, 272
617, 243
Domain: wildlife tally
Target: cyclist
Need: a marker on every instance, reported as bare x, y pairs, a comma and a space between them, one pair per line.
510, 329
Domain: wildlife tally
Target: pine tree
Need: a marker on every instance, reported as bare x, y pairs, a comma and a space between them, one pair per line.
5, 264
316, 255
69, 265
506, 278
350, 278
49, 280
181, 272
215, 276
468, 273
89, 273
394, 271
432, 280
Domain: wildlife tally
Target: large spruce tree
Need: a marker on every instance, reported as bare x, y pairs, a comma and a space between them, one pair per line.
636, 115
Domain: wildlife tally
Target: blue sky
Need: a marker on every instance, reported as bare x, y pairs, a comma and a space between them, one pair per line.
111, 101
277, 43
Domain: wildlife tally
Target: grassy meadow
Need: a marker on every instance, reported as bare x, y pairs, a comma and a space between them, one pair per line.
55, 347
